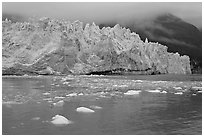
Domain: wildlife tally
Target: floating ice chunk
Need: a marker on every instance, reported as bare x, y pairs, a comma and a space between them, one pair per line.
154, 91
84, 110
155, 82
121, 86
194, 94
35, 118
102, 96
63, 79
178, 93
197, 88
59, 103
60, 120
177, 88
22, 124
65, 83
102, 92
59, 97
11, 102
95, 107
138, 80
46, 93
80, 94
199, 91
132, 92
47, 99
164, 91
72, 95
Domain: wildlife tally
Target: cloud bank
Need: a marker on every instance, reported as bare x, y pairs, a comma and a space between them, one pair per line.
100, 12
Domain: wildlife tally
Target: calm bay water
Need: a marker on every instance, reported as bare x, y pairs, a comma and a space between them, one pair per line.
27, 105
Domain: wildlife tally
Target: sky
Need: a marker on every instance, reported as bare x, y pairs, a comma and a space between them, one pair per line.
100, 12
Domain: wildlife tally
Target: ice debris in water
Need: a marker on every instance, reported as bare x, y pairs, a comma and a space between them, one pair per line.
200, 91
65, 83
80, 94
178, 93
95, 107
84, 110
60, 120
35, 118
177, 88
46, 93
196, 88
47, 99
163, 91
72, 95
58, 97
138, 81
59, 103
132, 92
154, 91
11, 102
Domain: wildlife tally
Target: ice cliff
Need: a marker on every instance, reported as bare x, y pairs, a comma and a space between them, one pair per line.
50, 46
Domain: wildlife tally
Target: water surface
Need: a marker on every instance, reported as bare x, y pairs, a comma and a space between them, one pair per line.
27, 106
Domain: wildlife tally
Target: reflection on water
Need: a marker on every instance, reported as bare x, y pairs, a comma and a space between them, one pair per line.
144, 113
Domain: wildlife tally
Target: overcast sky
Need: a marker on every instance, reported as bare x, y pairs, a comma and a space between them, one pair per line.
102, 12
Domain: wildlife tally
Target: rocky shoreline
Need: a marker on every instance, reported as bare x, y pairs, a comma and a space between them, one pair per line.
52, 47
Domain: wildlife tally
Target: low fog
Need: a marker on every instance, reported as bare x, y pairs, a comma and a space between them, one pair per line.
105, 12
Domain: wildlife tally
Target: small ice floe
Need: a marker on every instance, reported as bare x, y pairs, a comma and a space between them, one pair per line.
60, 120
65, 83
178, 93
199, 91
63, 79
47, 99
95, 107
164, 92
35, 118
121, 86
102, 92
196, 88
72, 95
22, 124
52, 84
58, 97
156, 82
193, 94
177, 88
154, 91
80, 94
57, 85
84, 110
132, 92
138, 81
102, 96
11, 103
46, 93
59, 103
